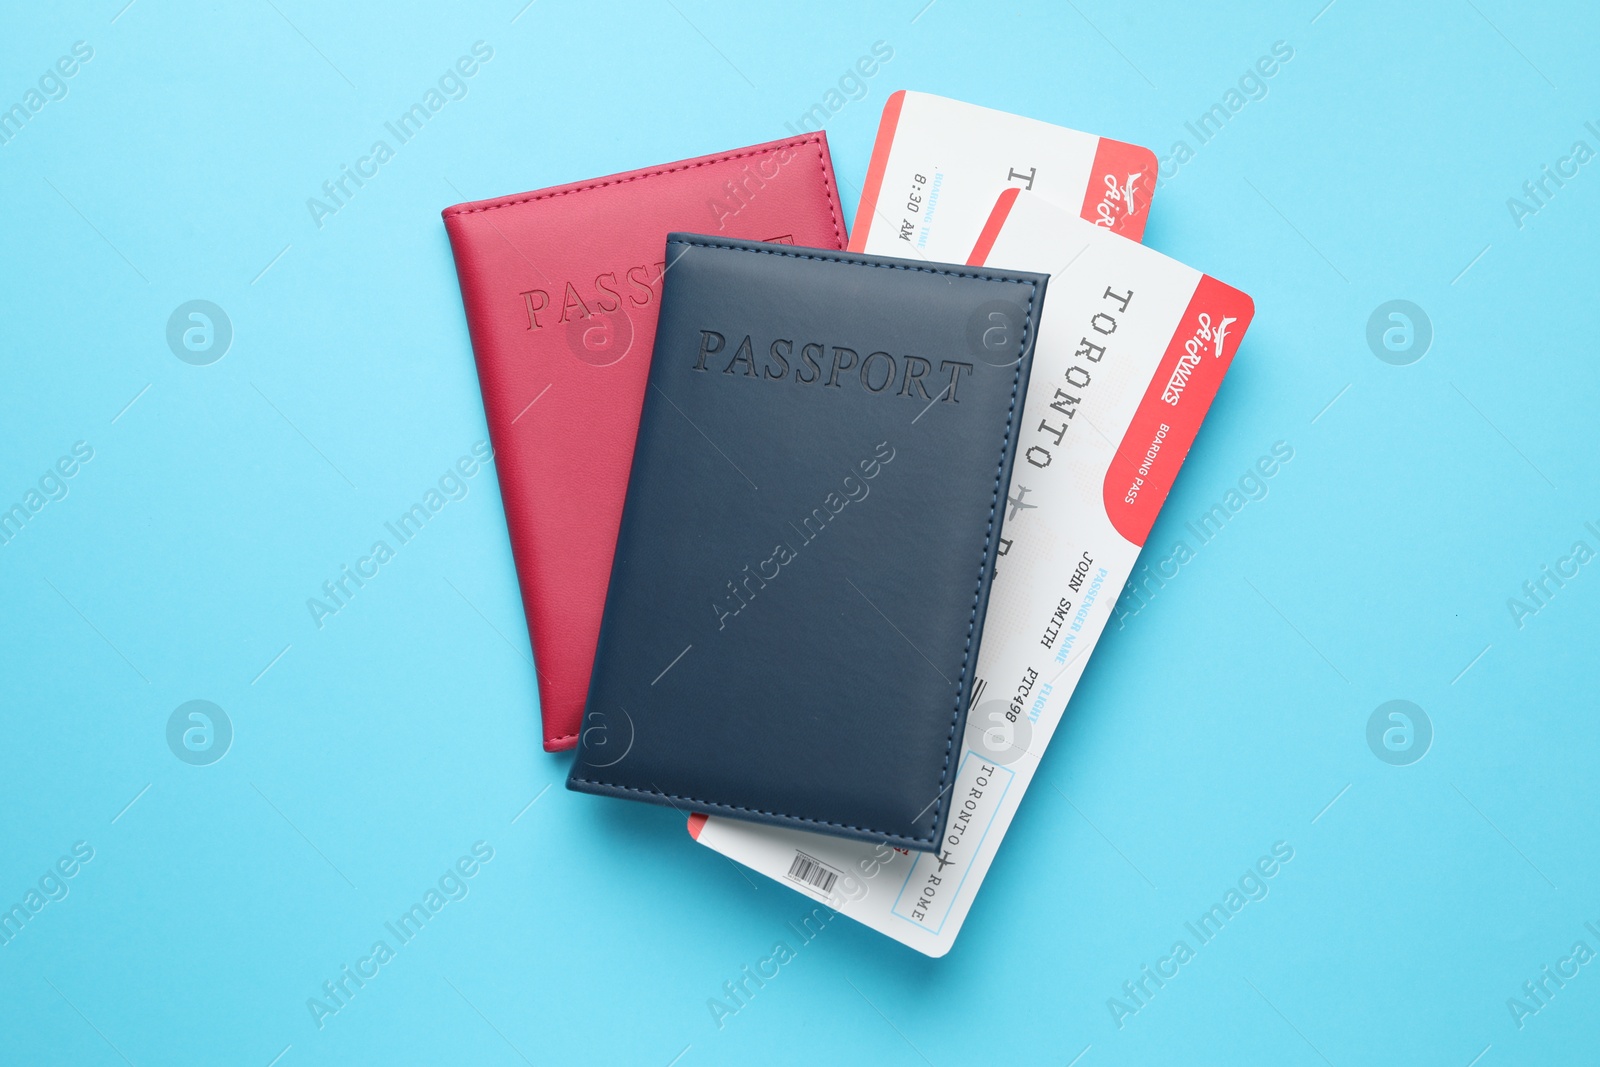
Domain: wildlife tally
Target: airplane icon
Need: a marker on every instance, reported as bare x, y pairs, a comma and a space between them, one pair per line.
1016, 502
1127, 190
1221, 333
943, 863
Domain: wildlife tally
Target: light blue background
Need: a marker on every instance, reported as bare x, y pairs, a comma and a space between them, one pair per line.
370, 754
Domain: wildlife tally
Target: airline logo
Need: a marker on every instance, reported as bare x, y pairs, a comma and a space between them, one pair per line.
1169, 416
1191, 356
1121, 183
1119, 200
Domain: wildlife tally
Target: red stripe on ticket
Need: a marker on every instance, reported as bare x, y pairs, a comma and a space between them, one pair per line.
1168, 418
991, 228
868, 206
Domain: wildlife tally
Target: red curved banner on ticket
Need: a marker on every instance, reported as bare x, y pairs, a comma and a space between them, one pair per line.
1169, 416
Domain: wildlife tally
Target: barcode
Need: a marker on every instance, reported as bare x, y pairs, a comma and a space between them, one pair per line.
812, 872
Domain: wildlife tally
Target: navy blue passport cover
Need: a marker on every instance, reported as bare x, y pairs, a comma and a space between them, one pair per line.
809, 536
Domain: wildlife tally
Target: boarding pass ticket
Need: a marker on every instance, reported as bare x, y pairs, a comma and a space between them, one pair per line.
1132, 348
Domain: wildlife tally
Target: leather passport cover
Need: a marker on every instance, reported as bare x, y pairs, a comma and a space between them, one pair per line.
561, 289
811, 527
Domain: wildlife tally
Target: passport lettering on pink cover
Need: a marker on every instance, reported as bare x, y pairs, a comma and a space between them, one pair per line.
561, 289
